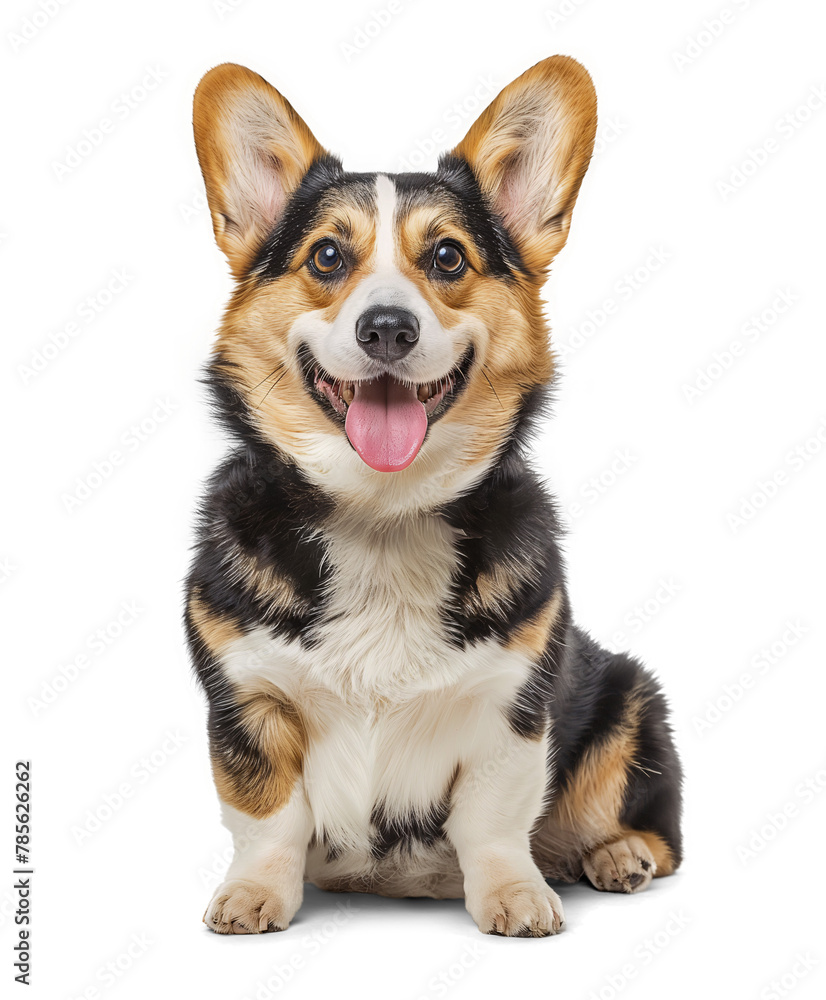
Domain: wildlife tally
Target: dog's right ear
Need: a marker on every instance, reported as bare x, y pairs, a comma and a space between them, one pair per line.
529, 150
253, 149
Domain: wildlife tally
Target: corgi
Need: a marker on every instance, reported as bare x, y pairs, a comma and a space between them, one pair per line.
399, 700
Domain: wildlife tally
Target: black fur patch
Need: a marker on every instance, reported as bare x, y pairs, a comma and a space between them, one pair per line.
653, 796
455, 181
508, 520
405, 831
324, 179
261, 506
588, 705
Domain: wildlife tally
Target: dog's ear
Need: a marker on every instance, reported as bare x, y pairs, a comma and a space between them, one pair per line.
253, 149
529, 151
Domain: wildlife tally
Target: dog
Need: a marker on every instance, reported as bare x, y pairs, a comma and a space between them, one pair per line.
399, 700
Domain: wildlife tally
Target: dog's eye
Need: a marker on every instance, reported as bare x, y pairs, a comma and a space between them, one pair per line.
326, 258
448, 258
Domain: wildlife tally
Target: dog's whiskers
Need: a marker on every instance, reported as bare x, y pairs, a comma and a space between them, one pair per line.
275, 383
495, 393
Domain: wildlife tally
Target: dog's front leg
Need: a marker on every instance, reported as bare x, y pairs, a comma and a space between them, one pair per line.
264, 884
257, 747
495, 802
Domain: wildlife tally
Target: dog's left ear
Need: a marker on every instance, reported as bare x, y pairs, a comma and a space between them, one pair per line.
529, 151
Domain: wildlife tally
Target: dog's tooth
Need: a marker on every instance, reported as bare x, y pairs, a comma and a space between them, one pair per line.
347, 393
423, 393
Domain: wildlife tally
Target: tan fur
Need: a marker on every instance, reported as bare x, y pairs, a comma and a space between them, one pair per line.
495, 589
245, 908
253, 149
541, 126
587, 813
532, 637
513, 905
253, 338
583, 827
275, 592
216, 631
278, 732
660, 851
624, 865
508, 365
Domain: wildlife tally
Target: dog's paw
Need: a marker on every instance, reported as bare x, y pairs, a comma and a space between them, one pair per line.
518, 909
625, 865
241, 907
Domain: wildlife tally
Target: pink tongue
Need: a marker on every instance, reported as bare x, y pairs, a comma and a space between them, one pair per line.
386, 424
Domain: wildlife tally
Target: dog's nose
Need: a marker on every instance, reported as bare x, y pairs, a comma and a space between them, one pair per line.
387, 333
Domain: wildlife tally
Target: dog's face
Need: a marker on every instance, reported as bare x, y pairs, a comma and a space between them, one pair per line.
389, 323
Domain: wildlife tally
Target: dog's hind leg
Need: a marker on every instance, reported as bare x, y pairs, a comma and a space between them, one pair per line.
616, 787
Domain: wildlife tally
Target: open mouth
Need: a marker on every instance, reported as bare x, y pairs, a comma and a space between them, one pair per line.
385, 419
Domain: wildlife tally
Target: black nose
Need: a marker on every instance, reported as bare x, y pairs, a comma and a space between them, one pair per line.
387, 332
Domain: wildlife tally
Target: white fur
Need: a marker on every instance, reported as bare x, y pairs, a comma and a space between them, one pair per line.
265, 882
334, 343
443, 469
394, 713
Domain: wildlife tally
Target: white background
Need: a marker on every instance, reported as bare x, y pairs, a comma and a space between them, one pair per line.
684, 107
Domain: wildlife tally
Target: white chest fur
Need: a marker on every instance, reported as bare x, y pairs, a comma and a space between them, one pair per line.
382, 633
391, 708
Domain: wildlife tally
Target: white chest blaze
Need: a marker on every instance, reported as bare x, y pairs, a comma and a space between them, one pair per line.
392, 707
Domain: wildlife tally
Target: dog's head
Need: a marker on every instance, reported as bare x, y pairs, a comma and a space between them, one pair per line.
389, 322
